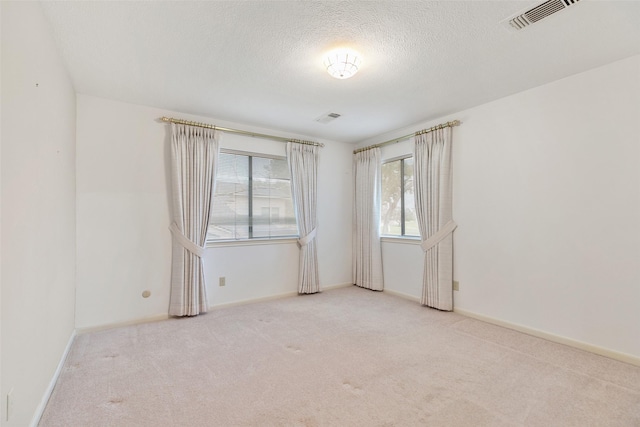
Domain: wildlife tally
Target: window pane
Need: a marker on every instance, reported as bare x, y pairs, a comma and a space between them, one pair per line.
390, 205
256, 206
230, 219
410, 221
273, 214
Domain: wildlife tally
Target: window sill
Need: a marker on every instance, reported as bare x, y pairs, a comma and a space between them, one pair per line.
251, 242
403, 240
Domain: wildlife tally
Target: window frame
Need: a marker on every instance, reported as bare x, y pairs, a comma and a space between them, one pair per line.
399, 238
251, 241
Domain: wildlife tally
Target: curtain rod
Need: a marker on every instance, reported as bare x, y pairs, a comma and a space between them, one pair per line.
402, 138
238, 131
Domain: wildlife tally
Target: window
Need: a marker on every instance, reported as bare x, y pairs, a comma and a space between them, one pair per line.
252, 198
398, 212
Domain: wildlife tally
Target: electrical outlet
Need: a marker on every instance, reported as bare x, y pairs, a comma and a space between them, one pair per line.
456, 285
223, 281
9, 404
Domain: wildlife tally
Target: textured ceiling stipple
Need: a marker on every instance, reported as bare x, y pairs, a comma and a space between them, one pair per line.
260, 62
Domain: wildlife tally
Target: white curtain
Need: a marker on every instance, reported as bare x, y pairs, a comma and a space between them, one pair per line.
433, 197
194, 156
303, 164
367, 254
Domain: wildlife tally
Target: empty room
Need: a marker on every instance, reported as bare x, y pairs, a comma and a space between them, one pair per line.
320, 213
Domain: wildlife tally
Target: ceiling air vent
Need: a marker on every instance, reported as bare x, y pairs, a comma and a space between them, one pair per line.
328, 117
538, 13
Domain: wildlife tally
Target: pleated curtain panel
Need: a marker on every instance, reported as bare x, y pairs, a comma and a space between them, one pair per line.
367, 252
433, 198
194, 157
303, 165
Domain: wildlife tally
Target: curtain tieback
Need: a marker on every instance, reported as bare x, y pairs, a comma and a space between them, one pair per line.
437, 237
304, 241
185, 241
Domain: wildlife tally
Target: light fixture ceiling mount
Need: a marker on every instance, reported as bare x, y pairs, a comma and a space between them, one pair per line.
342, 63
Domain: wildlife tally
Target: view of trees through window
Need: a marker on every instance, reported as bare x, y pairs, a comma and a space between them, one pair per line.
398, 212
252, 199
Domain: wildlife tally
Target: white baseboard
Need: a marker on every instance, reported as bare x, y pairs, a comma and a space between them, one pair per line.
402, 295
623, 357
158, 317
252, 300
338, 286
121, 324
272, 297
47, 393
612, 354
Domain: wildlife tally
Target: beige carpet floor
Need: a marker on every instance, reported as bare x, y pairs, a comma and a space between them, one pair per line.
345, 357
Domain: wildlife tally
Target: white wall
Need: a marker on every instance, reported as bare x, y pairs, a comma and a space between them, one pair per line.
38, 208
2, 409
547, 198
123, 241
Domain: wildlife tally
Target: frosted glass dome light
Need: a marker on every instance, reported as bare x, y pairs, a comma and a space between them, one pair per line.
342, 63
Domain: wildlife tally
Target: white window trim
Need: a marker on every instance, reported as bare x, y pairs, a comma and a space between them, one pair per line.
252, 154
258, 241
393, 159
407, 240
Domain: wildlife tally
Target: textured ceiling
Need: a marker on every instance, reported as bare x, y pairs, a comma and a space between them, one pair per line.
260, 62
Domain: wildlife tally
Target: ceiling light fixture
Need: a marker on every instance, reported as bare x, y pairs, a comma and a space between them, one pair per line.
342, 63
